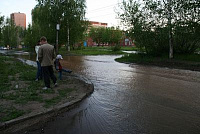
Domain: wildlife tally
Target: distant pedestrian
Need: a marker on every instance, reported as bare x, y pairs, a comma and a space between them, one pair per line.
59, 67
39, 69
46, 54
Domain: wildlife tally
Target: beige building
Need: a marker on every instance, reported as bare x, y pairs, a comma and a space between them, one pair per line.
98, 24
19, 19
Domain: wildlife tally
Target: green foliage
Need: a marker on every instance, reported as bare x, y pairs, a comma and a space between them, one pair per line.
185, 61
17, 86
12, 35
69, 14
1, 20
9, 113
65, 92
1, 25
116, 48
9, 33
130, 49
148, 24
4, 83
186, 37
103, 35
52, 101
93, 51
32, 35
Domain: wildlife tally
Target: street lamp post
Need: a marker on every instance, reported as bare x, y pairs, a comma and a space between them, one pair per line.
57, 29
68, 37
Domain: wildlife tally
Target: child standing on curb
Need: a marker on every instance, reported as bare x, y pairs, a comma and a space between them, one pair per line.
58, 66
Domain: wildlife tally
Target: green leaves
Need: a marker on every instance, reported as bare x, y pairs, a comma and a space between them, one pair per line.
147, 23
68, 13
105, 35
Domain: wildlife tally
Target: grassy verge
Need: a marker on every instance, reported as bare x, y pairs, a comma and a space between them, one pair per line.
190, 62
18, 90
131, 49
91, 51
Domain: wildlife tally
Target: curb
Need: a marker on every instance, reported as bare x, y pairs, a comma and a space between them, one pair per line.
25, 122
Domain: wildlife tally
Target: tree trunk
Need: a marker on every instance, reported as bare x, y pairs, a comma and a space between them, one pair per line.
170, 30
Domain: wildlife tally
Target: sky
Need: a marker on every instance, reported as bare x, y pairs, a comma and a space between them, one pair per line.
97, 10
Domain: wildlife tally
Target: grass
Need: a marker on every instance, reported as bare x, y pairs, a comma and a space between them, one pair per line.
9, 113
198, 50
52, 101
134, 58
192, 57
190, 62
91, 51
17, 87
63, 93
130, 49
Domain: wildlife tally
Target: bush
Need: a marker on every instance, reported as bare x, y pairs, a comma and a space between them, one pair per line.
116, 48
186, 38
148, 25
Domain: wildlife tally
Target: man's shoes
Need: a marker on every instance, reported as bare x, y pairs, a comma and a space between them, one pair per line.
45, 88
55, 85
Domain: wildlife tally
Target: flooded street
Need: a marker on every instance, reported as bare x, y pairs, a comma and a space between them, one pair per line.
130, 100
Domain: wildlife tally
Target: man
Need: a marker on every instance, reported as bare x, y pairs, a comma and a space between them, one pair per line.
46, 54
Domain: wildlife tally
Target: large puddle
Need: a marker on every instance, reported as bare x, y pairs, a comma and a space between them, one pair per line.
130, 100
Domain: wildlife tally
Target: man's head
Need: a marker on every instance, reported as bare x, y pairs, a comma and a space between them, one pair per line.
38, 42
43, 40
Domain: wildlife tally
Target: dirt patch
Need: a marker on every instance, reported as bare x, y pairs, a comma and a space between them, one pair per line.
69, 91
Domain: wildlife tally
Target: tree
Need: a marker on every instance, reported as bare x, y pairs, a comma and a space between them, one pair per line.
115, 35
32, 36
68, 13
170, 28
154, 23
103, 35
1, 25
10, 33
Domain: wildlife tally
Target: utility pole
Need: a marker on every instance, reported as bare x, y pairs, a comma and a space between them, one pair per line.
57, 29
68, 45
170, 29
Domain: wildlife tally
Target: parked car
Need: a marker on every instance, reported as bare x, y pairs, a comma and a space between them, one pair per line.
3, 48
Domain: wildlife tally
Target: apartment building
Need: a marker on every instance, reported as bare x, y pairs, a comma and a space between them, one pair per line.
19, 19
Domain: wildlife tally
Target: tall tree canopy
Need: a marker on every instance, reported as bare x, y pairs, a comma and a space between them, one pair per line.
1, 25
147, 23
68, 13
9, 31
106, 35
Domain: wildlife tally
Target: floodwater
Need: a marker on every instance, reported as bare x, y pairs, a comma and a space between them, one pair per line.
130, 100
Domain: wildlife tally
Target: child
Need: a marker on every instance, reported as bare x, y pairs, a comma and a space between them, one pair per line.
59, 67
39, 69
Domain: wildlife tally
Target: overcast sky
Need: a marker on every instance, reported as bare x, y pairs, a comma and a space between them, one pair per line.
97, 10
